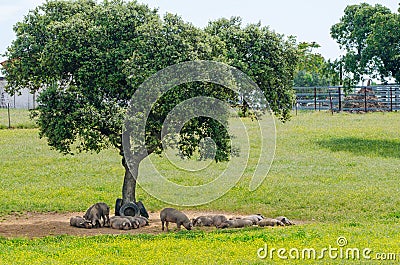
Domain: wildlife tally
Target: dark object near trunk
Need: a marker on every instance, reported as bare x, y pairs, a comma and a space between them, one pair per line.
96, 213
174, 216
142, 209
129, 209
118, 205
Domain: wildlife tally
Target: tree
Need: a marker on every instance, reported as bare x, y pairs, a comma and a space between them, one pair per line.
268, 58
83, 55
313, 69
383, 45
89, 58
352, 33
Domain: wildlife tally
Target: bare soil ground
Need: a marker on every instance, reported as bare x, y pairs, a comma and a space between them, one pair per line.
34, 225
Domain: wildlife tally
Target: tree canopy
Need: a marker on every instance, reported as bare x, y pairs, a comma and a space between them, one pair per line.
88, 58
370, 37
266, 57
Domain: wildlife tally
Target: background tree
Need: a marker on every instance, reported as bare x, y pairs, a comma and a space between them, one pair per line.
312, 69
352, 33
383, 45
89, 58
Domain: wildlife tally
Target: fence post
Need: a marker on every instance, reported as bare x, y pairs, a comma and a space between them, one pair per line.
340, 99
9, 116
365, 100
391, 100
330, 100
315, 99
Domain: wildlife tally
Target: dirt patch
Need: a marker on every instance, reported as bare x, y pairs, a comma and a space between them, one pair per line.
34, 225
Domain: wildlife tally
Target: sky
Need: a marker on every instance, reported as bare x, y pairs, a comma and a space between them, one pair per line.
308, 20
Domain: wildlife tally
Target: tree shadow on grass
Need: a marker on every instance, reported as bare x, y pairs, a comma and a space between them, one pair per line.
363, 147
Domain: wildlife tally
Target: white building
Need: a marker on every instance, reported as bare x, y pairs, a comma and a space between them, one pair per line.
24, 101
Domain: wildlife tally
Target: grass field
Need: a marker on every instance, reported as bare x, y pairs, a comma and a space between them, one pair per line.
19, 119
338, 173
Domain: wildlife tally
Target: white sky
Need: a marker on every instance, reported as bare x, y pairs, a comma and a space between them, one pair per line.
309, 20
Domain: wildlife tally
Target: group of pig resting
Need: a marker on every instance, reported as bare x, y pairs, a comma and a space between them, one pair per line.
98, 215
170, 215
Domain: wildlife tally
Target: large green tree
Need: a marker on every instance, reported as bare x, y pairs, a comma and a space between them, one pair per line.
361, 32
88, 59
383, 45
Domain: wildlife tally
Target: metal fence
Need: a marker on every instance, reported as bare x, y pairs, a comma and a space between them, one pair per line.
360, 99
334, 98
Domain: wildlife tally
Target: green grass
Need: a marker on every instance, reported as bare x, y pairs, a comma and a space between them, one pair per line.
338, 172
36, 178
19, 119
238, 246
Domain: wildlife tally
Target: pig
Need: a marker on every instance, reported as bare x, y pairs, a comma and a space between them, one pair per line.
174, 216
96, 212
270, 222
202, 221
140, 220
134, 222
143, 221
235, 223
225, 224
254, 218
80, 222
120, 223
218, 220
284, 220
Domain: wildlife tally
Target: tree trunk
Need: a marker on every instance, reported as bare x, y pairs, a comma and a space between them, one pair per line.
129, 187
131, 174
